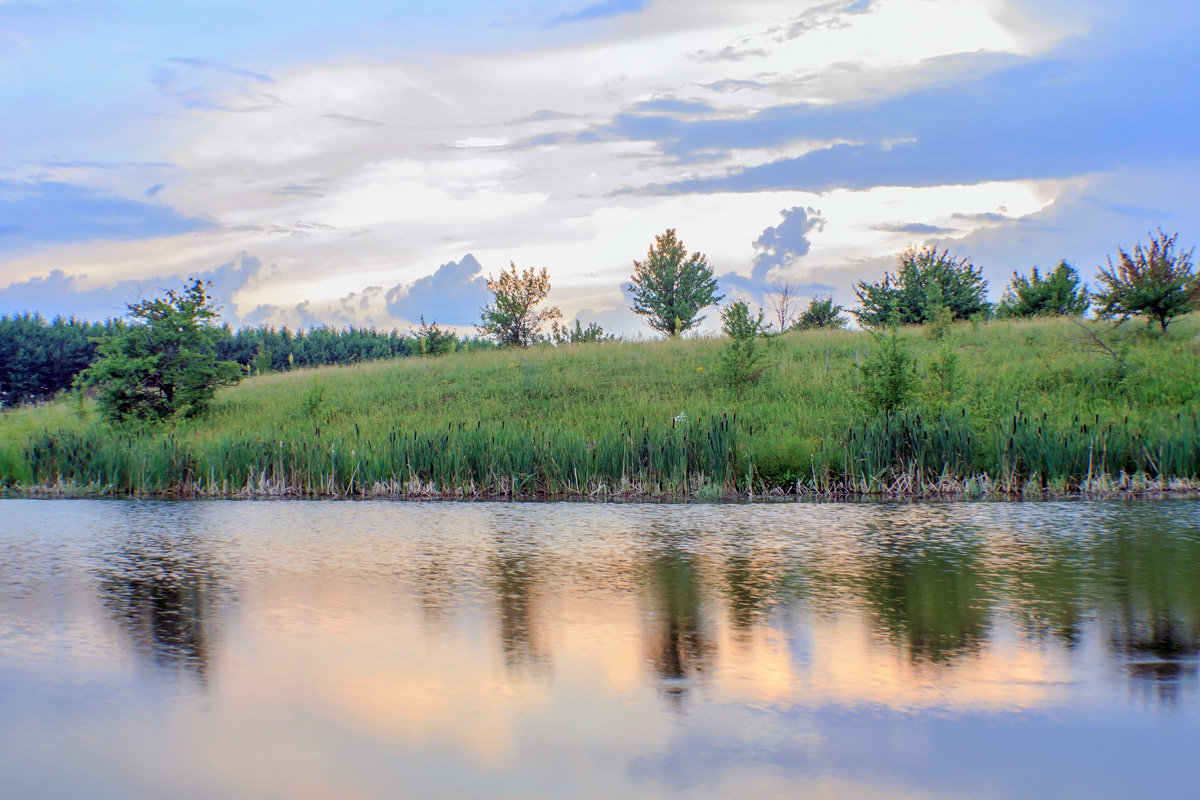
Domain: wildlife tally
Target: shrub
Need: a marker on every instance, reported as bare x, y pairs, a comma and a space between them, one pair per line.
889, 376
901, 299
821, 313
742, 355
1060, 293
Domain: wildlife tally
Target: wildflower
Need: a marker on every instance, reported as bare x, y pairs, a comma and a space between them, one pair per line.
699, 369
681, 418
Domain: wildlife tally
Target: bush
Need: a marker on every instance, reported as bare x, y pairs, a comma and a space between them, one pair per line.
1154, 280
902, 299
889, 376
821, 313
1060, 293
742, 355
565, 334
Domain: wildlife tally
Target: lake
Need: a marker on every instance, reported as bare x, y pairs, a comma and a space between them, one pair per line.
574, 650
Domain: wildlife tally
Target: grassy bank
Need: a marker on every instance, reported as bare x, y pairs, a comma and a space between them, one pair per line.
1041, 408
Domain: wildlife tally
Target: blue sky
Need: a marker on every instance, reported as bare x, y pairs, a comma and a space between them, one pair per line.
371, 162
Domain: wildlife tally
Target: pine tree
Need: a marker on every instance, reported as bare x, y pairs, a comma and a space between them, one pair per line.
670, 288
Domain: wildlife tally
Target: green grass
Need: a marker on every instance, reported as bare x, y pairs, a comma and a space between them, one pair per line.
1042, 409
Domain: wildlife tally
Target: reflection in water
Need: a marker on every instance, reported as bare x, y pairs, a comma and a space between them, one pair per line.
163, 591
930, 596
1155, 609
680, 647
387, 649
514, 579
749, 588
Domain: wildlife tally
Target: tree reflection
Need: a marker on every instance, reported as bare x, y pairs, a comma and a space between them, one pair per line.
749, 589
1048, 590
680, 645
163, 591
1155, 620
514, 579
930, 596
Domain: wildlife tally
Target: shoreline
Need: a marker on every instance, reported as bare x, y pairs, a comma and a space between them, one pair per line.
978, 489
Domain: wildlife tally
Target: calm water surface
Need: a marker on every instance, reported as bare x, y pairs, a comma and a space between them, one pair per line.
380, 650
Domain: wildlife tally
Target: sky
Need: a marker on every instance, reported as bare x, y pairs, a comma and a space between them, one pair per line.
371, 162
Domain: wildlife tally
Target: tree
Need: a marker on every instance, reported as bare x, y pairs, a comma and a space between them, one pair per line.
782, 298
1154, 280
670, 287
511, 318
742, 355
889, 376
1058, 294
901, 299
821, 314
432, 340
164, 364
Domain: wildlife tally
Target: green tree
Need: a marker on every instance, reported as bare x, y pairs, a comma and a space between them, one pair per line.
901, 299
164, 364
744, 352
670, 288
432, 340
512, 318
821, 313
1058, 294
889, 376
1155, 280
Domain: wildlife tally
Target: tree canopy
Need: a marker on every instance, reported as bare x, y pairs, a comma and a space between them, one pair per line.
924, 279
821, 313
164, 363
1060, 293
1156, 281
670, 287
512, 318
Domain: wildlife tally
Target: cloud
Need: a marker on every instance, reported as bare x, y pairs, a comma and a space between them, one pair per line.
53, 212
1032, 119
600, 10
728, 53
452, 295
59, 294
778, 247
199, 83
918, 228
217, 66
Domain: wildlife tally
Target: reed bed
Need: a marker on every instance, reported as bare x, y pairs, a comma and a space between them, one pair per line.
1039, 413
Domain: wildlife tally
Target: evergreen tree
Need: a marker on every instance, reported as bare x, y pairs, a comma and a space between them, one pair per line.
670, 288
901, 299
1058, 294
163, 364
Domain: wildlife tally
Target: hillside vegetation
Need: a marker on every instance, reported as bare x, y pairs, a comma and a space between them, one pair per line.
1032, 407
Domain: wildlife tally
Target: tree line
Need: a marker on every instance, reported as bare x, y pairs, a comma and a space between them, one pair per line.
40, 358
171, 355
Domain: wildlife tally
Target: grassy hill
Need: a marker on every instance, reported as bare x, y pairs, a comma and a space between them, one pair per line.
1036, 406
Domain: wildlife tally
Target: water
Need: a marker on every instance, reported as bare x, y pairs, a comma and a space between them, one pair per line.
379, 650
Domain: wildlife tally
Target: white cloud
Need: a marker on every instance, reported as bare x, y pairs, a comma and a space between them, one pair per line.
351, 174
